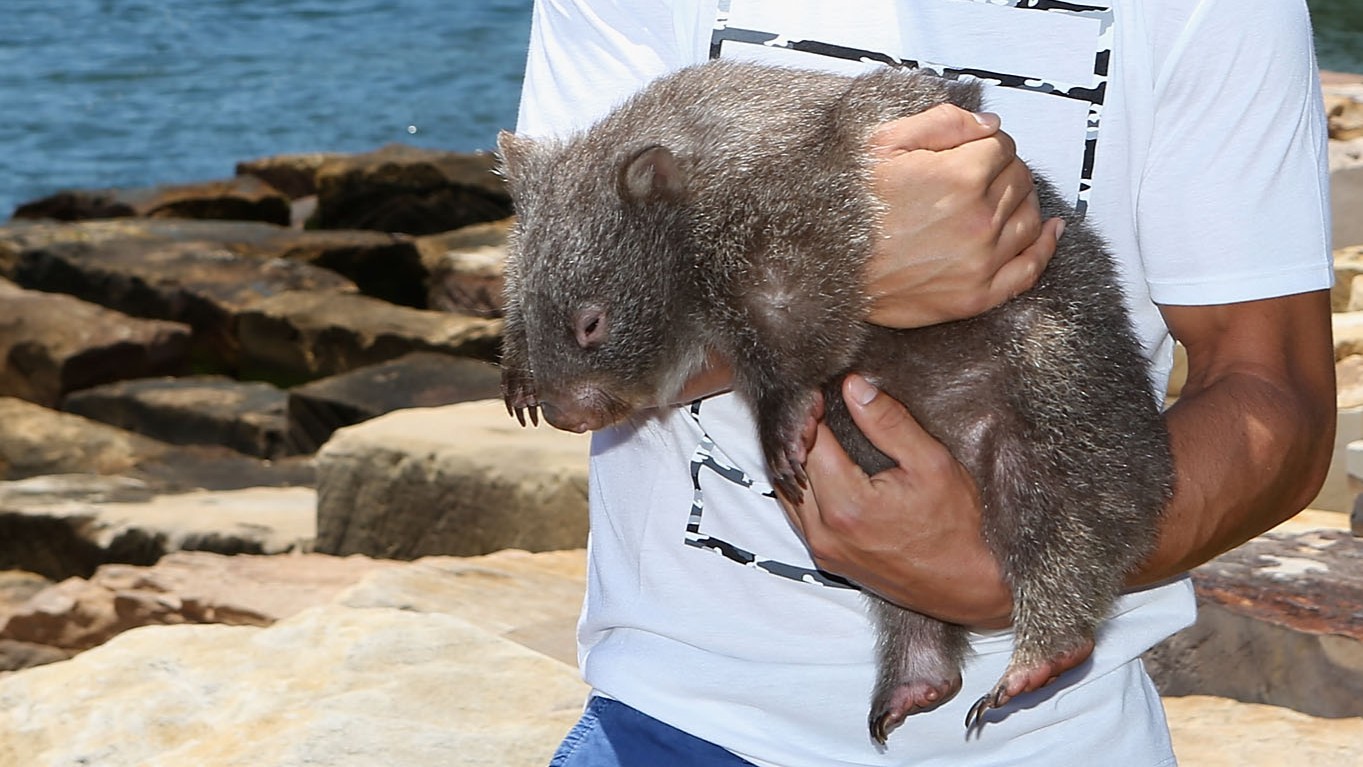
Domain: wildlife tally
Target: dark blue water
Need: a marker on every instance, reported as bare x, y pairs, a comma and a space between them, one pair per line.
97, 93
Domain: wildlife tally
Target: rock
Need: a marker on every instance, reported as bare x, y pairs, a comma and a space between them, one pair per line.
1344, 110
249, 417
1348, 263
38, 441
454, 480
1349, 381
382, 265
53, 344
1344, 154
204, 284
406, 189
59, 537
1348, 333
20, 655
419, 379
1346, 200
1278, 624
465, 268
293, 174
332, 685
182, 587
245, 198
1216, 732
309, 335
400, 669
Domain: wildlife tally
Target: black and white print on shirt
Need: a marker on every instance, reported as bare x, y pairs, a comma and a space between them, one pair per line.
1050, 88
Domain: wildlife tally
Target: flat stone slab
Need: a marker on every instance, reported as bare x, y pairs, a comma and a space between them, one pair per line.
466, 268
1218, 732
400, 188
39, 441
243, 198
247, 416
420, 379
456, 480
53, 344
310, 335
48, 529
182, 587
1280, 621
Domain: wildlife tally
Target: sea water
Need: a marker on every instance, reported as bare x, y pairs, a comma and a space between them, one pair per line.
101, 93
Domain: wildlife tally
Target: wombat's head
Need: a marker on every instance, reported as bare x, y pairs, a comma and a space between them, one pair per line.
601, 280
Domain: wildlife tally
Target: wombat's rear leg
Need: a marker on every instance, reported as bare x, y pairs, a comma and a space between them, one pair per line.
783, 415
1064, 571
920, 665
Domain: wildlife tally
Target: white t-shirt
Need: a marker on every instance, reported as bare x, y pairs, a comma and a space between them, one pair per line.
1191, 134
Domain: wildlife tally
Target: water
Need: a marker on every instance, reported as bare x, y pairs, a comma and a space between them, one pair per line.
101, 93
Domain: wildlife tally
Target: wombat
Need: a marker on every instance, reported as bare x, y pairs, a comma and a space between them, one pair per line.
726, 209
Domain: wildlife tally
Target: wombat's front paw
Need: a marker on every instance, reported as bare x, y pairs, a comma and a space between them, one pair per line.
518, 391
893, 705
1023, 676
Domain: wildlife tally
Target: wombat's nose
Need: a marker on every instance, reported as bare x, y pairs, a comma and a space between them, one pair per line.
590, 327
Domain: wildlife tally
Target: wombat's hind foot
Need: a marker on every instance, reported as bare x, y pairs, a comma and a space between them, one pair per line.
1025, 677
909, 697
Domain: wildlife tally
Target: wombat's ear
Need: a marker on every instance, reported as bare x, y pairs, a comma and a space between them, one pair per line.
652, 173
511, 153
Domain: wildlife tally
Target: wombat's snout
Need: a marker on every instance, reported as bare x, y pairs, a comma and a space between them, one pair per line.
574, 416
590, 326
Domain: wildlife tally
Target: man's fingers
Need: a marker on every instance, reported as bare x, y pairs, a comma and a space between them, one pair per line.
944, 126
1021, 273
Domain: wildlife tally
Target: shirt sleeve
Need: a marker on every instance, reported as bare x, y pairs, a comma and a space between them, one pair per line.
1234, 202
587, 55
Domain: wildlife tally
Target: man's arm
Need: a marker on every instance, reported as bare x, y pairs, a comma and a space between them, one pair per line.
1252, 435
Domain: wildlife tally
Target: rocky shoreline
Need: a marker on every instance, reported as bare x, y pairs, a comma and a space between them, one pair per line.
259, 503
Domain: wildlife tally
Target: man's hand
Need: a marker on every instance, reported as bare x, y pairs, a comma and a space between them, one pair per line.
962, 231
910, 533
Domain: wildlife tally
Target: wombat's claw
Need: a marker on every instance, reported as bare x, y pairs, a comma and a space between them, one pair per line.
1027, 677
788, 474
905, 700
975, 716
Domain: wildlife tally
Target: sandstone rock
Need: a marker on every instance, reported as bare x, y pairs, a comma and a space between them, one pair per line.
382, 265
1216, 732
1345, 154
203, 284
1348, 263
245, 198
419, 379
59, 537
308, 335
1278, 623
405, 189
332, 685
1335, 493
1349, 380
1348, 333
461, 479
53, 344
293, 174
1344, 110
465, 268
39, 441
1346, 200
183, 587
249, 417
20, 655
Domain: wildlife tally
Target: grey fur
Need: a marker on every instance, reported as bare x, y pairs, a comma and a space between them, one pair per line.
727, 208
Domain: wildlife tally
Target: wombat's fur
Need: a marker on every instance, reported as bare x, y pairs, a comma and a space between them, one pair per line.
727, 208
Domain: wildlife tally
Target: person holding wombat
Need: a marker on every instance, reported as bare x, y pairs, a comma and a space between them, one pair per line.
718, 630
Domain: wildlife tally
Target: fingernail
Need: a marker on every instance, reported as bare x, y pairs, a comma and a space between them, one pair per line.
862, 391
987, 119
1060, 229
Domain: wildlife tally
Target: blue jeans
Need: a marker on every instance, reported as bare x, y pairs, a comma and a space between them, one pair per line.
611, 734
